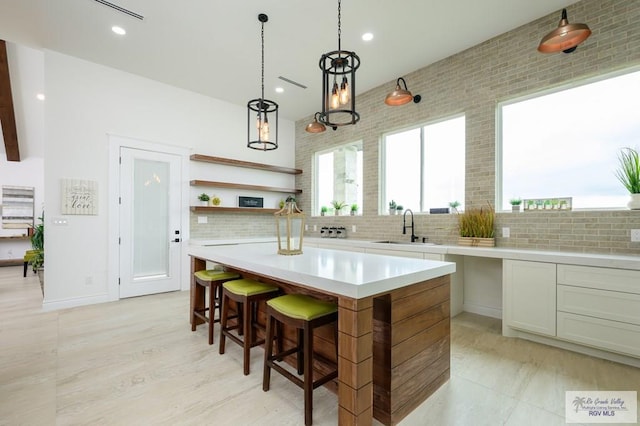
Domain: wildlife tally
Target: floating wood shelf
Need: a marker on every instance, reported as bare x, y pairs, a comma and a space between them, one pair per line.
16, 237
243, 186
212, 209
246, 164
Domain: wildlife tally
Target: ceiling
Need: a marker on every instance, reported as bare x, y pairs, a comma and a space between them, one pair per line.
213, 46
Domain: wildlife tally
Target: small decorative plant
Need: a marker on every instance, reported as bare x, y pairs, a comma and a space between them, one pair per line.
454, 206
354, 209
203, 197
629, 171
399, 208
323, 210
478, 223
337, 206
392, 207
531, 204
515, 201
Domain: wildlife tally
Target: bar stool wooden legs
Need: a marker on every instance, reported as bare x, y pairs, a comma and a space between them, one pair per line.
305, 314
211, 280
246, 293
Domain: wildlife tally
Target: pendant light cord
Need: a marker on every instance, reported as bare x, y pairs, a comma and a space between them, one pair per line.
339, 26
262, 63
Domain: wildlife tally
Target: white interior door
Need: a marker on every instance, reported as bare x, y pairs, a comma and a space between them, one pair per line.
150, 234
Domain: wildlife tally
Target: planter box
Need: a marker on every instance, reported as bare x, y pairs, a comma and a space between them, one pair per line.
476, 242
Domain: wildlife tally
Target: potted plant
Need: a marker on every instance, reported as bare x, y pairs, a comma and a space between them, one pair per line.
354, 209
323, 210
204, 199
454, 206
37, 242
629, 175
476, 227
392, 207
547, 204
399, 209
531, 205
337, 206
515, 205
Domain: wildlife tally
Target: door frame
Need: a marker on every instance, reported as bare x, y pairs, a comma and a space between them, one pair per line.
116, 142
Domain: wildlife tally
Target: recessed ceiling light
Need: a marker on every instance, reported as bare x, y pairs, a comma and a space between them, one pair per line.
367, 36
118, 30
279, 90
40, 96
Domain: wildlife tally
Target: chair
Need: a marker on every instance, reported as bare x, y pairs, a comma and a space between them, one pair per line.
247, 294
305, 313
209, 279
29, 254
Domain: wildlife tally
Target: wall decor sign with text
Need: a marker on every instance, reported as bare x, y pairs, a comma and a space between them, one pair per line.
79, 196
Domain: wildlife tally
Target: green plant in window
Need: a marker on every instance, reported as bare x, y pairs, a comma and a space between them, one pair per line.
515, 201
628, 172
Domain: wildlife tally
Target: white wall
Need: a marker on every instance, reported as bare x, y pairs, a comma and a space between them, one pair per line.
85, 102
26, 68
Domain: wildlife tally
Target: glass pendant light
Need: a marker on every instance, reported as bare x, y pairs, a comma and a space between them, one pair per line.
260, 135
339, 84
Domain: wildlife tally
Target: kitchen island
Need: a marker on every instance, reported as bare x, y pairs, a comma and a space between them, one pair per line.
393, 319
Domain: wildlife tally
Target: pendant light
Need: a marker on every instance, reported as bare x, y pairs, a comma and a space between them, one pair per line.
316, 126
401, 96
565, 38
339, 85
262, 133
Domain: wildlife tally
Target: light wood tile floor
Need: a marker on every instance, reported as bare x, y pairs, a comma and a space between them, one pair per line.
136, 362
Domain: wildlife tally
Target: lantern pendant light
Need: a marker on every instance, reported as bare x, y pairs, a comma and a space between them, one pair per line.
339, 85
262, 133
565, 38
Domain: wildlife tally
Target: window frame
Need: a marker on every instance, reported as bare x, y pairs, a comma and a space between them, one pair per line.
499, 142
382, 192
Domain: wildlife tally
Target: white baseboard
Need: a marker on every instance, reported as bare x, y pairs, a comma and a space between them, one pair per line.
54, 305
482, 310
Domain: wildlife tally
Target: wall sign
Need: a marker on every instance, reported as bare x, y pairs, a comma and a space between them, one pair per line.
79, 196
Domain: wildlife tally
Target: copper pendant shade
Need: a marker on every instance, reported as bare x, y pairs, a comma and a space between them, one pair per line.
565, 38
316, 126
401, 96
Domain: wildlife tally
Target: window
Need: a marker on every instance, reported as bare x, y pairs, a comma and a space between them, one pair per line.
423, 167
338, 177
566, 143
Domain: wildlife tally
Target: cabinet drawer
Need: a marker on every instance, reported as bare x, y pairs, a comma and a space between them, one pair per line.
611, 305
600, 278
603, 334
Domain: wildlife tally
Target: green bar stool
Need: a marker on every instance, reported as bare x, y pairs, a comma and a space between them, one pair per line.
305, 314
208, 279
247, 294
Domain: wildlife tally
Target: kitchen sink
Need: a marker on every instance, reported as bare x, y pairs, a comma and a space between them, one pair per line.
404, 242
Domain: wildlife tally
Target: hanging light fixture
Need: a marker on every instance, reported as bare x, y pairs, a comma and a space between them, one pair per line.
401, 96
339, 85
262, 134
316, 126
565, 38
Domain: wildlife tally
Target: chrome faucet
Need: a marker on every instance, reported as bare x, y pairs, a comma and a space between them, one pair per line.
404, 226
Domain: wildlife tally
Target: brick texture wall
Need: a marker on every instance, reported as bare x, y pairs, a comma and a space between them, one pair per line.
472, 82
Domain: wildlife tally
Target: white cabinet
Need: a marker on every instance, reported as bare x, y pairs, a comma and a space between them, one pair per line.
600, 307
529, 293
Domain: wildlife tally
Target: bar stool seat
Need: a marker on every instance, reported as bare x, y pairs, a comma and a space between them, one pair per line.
247, 294
305, 313
209, 279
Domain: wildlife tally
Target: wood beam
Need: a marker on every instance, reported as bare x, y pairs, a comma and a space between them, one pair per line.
7, 114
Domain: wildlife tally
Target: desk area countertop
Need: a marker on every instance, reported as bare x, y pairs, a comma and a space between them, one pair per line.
350, 274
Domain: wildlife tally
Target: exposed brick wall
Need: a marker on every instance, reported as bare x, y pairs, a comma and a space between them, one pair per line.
472, 82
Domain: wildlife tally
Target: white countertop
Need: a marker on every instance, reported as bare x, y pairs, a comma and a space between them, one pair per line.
573, 258
350, 274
